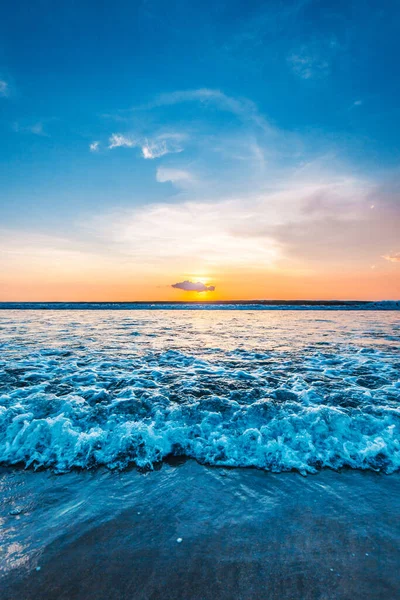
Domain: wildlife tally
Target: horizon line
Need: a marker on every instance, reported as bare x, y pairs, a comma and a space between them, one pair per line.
199, 301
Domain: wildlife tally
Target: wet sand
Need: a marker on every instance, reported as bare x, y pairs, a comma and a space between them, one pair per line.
245, 534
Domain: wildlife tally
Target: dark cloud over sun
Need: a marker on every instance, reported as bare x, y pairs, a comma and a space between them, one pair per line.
191, 286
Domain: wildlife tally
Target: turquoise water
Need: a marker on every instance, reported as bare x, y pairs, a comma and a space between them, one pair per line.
276, 390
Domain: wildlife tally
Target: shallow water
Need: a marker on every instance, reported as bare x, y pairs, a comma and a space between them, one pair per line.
277, 390
244, 534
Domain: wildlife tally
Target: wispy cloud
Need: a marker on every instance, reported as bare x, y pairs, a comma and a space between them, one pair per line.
308, 66
261, 198
310, 218
250, 137
179, 176
155, 147
4, 88
191, 286
189, 234
314, 59
161, 145
94, 146
392, 257
117, 140
154, 150
243, 108
35, 129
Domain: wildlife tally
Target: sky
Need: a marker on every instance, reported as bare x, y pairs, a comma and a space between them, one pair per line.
175, 150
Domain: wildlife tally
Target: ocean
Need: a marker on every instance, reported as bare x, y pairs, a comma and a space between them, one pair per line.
216, 451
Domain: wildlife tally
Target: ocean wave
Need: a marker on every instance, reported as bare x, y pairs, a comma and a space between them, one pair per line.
263, 435
227, 391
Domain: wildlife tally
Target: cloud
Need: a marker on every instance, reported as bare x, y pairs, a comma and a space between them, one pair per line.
190, 286
189, 234
312, 226
164, 143
314, 60
154, 149
393, 257
117, 140
308, 66
4, 88
151, 148
310, 219
35, 129
206, 134
243, 108
179, 176
259, 202
94, 146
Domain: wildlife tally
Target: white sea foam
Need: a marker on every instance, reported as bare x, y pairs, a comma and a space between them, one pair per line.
247, 390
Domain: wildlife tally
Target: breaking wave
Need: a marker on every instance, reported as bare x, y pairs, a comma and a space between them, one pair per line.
111, 391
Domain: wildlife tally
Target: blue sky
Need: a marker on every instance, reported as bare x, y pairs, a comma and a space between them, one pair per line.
259, 129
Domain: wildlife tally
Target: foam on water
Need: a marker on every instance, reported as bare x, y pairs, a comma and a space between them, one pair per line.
278, 391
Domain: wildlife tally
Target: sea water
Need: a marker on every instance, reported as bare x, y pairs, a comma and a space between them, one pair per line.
279, 390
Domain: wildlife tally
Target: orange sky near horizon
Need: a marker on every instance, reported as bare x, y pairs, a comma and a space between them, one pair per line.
354, 285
